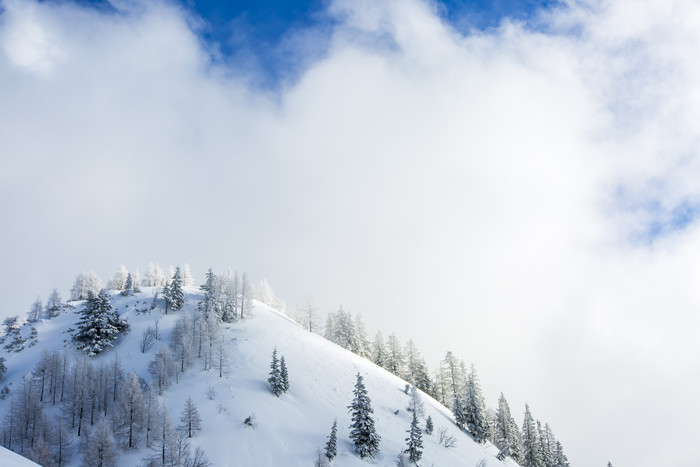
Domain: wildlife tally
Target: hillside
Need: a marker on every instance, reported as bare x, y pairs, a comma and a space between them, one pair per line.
288, 430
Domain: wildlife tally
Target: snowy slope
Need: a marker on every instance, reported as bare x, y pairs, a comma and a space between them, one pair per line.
10, 459
289, 429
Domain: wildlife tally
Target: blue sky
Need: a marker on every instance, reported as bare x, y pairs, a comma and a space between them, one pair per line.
254, 31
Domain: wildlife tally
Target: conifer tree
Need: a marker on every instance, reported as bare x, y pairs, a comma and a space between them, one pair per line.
561, 459
275, 378
506, 435
429, 425
458, 412
415, 441
363, 433
395, 360
53, 304
379, 352
3, 368
474, 409
532, 455
128, 286
284, 376
415, 403
177, 295
190, 420
331, 448
99, 325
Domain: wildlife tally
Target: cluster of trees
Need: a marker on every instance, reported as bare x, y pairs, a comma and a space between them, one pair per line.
227, 297
67, 407
452, 385
363, 433
17, 335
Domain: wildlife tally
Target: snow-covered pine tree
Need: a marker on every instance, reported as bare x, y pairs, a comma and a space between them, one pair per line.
331, 445
379, 352
395, 361
190, 420
187, 277
450, 379
363, 433
475, 410
506, 435
415, 441
532, 456
429, 425
284, 375
161, 369
54, 305
246, 300
275, 378
99, 325
177, 295
3, 368
560, 458
362, 345
415, 403
458, 412
128, 286
416, 368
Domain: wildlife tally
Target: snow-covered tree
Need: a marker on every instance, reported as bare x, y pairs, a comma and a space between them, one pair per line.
128, 286
190, 420
161, 369
415, 403
35, 311
118, 282
429, 425
84, 283
506, 435
451, 381
275, 378
417, 369
187, 277
54, 305
266, 295
395, 361
560, 458
284, 375
475, 409
99, 325
3, 367
379, 352
532, 454
331, 445
458, 412
363, 433
415, 441
309, 315
100, 449
129, 419
172, 292
153, 277
246, 299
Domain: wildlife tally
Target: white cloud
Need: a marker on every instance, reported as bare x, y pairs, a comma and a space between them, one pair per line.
482, 193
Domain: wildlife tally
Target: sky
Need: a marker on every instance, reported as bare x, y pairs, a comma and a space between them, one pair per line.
516, 183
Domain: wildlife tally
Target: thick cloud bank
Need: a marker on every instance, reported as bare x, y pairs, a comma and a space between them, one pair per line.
526, 197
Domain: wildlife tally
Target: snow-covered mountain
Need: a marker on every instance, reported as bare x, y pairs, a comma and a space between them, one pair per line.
287, 430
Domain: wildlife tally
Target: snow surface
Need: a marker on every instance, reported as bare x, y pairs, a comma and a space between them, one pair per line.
290, 429
10, 459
